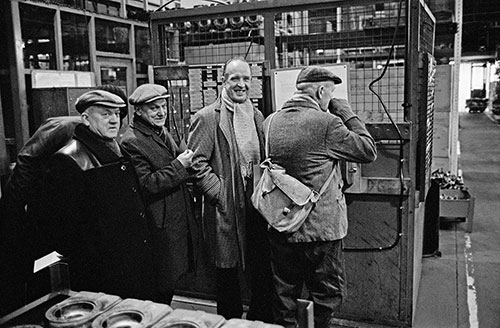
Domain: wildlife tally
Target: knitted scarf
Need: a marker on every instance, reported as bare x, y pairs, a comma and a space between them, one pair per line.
245, 133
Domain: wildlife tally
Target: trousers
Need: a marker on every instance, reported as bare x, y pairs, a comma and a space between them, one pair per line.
258, 276
319, 266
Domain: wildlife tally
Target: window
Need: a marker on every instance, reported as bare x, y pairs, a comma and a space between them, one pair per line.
75, 42
112, 36
142, 50
69, 3
37, 29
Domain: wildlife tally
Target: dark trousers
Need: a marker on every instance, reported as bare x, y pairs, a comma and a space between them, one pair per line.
318, 265
259, 269
229, 304
258, 274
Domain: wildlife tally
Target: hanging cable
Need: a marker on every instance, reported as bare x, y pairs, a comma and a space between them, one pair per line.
401, 154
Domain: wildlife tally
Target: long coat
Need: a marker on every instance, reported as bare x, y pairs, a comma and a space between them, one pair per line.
169, 202
94, 215
216, 160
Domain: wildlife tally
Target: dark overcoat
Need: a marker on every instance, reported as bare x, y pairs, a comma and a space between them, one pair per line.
94, 215
168, 201
216, 160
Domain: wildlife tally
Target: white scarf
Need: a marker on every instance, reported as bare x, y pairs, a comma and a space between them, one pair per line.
245, 133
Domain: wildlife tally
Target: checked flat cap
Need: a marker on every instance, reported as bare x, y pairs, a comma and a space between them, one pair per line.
317, 74
147, 93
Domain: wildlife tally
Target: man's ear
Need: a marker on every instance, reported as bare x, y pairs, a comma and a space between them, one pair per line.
85, 118
319, 92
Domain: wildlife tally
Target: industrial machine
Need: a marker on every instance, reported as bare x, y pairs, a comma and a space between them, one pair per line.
69, 309
477, 102
386, 51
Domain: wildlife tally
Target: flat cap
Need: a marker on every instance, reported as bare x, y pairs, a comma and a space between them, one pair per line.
147, 93
317, 74
98, 97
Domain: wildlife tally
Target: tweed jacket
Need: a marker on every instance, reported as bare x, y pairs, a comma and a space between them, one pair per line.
168, 201
216, 160
94, 215
309, 143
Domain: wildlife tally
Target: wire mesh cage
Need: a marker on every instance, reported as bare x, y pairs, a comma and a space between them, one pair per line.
371, 37
387, 47
365, 36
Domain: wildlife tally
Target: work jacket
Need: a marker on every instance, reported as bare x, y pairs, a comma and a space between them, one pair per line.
169, 203
309, 143
216, 160
95, 217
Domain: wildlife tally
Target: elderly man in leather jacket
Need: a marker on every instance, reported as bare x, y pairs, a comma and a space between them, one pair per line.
20, 242
93, 210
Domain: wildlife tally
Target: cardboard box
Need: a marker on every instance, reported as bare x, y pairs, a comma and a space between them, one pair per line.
456, 203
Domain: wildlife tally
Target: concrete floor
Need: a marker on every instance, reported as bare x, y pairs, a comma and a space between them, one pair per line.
462, 287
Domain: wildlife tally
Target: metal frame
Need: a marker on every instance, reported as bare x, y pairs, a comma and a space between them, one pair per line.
393, 188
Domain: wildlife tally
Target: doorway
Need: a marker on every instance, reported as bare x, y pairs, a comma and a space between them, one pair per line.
118, 72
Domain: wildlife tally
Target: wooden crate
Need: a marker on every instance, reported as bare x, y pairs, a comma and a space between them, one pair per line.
456, 203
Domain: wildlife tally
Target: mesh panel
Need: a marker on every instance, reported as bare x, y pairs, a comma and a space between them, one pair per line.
324, 34
205, 85
214, 41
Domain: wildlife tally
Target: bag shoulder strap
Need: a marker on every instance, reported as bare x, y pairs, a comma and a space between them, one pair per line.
327, 182
330, 177
266, 131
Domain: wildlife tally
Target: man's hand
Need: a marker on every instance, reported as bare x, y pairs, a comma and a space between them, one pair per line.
341, 108
186, 158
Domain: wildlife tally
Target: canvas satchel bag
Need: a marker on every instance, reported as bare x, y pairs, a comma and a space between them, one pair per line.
281, 199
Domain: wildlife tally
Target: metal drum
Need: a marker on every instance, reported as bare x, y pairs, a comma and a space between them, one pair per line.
181, 318
132, 313
78, 311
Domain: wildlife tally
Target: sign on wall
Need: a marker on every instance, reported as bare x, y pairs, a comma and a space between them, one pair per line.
283, 82
62, 79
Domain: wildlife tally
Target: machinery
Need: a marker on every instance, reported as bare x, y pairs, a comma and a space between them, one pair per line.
385, 49
477, 102
69, 309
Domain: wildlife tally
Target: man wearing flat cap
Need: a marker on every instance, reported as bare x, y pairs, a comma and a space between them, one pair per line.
93, 210
308, 137
163, 169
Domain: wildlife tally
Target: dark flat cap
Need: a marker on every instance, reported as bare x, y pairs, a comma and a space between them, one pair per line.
100, 98
317, 74
147, 93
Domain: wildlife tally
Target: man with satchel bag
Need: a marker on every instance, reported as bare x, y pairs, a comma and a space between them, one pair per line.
308, 137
